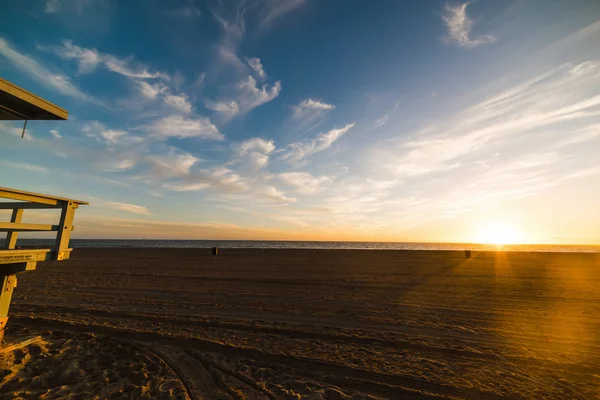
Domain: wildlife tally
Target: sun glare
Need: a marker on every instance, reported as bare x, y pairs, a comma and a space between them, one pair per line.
498, 233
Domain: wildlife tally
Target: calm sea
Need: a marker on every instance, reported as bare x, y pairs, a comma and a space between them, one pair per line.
260, 244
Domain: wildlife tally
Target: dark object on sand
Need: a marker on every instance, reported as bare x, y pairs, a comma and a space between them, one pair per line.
215, 251
467, 253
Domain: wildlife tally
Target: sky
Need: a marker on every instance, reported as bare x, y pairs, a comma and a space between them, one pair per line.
419, 121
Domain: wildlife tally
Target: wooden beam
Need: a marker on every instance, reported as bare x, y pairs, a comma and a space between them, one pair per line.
64, 234
34, 197
30, 102
20, 227
11, 237
13, 205
25, 256
26, 197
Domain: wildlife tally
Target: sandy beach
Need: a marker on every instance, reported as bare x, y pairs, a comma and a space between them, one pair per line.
306, 324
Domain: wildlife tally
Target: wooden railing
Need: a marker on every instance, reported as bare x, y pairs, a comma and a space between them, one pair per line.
14, 260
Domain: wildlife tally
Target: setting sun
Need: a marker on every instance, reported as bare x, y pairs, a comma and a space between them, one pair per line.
498, 233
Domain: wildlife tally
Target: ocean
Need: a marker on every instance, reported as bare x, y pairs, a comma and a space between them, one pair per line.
273, 244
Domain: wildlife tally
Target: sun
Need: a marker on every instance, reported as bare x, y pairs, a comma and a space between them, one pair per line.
498, 233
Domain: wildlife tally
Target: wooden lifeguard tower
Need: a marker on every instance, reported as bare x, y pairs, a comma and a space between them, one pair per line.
19, 104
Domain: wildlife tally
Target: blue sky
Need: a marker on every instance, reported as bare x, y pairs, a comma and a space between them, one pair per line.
304, 119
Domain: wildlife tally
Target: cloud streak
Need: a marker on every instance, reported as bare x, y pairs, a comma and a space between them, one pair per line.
299, 151
130, 208
459, 27
42, 75
182, 127
88, 59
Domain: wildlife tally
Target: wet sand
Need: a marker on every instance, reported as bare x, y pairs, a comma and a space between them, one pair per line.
307, 324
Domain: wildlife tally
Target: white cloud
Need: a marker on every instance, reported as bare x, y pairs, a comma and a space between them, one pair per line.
122, 165
42, 74
26, 166
253, 154
228, 109
151, 91
55, 133
174, 164
249, 96
124, 67
298, 151
131, 208
89, 59
459, 26
181, 127
255, 144
272, 193
310, 107
304, 182
98, 131
111, 135
252, 96
256, 65
219, 178
179, 102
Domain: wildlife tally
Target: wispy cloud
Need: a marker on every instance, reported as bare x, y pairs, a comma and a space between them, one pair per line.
309, 114
257, 67
130, 208
221, 179
298, 151
459, 26
248, 97
175, 163
120, 166
125, 68
252, 96
42, 75
180, 102
228, 109
151, 91
515, 144
26, 166
385, 117
515, 114
55, 133
274, 10
182, 127
253, 154
310, 107
304, 182
89, 58
99, 131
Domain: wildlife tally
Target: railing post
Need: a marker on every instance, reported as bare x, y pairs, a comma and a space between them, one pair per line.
65, 227
11, 237
9, 282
